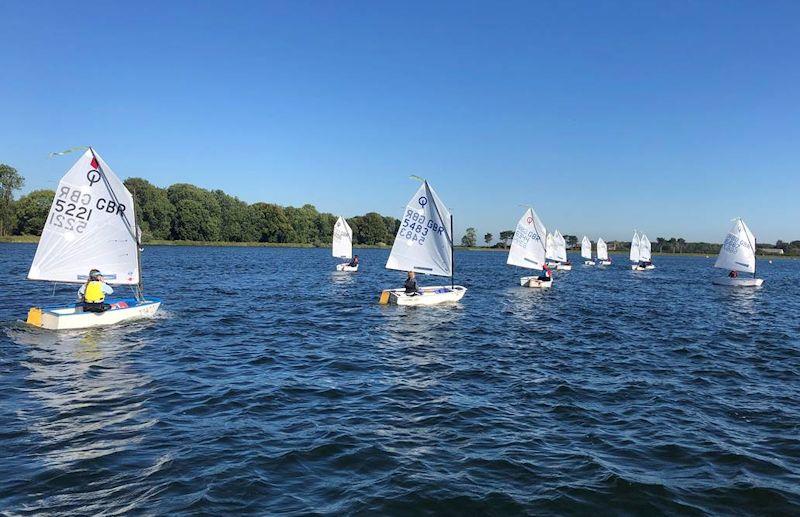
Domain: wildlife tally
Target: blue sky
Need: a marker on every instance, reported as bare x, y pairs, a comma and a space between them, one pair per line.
669, 117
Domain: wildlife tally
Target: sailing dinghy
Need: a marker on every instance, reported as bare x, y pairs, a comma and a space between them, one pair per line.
640, 253
342, 247
602, 252
586, 251
424, 244
738, 255
91, 225
528, 249
563, 262
550, 251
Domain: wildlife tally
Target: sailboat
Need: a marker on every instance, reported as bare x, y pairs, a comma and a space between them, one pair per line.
561, 252
424, 244
738, 254
91, 225
550, 251
642, 254
342, 247
586, 251
528, 249
602, 252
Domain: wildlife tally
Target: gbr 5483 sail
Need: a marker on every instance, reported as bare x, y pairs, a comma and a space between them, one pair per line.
91, 225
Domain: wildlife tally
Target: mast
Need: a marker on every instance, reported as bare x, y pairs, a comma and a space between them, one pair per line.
452, 255
131, 231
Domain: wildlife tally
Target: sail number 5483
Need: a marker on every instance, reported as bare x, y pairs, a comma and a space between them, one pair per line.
415, 228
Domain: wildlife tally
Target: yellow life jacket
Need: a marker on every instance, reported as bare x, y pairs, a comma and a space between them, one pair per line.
94, 292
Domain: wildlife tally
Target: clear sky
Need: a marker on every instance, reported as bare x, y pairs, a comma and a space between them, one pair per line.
671, 117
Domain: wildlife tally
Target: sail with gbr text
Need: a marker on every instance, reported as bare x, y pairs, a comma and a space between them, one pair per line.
528, 247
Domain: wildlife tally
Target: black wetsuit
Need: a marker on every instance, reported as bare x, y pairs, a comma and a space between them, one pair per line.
411, 286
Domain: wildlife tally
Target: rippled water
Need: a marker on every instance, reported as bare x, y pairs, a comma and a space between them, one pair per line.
269, 384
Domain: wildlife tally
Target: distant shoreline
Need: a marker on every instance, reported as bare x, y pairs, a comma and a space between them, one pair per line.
33, 239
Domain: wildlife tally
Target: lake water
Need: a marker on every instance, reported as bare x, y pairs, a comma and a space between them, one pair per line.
270, 384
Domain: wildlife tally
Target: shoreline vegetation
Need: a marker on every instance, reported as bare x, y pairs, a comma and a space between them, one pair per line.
186, 215
34, 239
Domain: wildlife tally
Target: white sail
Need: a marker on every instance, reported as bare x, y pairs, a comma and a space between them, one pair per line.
424, 242
635, 244
342, 240
550, 247
644, 249
528, 247
602, 250
91, 225
560, 247
738, 250
586, 248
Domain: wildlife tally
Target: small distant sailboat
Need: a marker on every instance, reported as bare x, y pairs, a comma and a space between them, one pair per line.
561, 252
424, 244
91, 225
737, 255
586, 251
528, 249
641, 253
602, 253
342, 247
550, 251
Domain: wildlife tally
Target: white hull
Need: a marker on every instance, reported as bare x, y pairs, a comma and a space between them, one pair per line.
738, 282
552, 264
642, 268
535, 282
70, 318
588, 263
429, 295
605, 262
345, 267
564, 267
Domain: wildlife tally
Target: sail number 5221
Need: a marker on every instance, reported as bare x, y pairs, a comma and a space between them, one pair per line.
414, 227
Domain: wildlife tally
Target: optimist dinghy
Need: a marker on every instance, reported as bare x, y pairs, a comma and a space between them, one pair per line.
550, 251
91, 224
602, 253
563, 262
738, 254
641, 253
528, 249
342, 247
424, 244
586, 251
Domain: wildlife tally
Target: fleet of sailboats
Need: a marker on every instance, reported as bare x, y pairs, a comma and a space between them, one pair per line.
91, 225
528, 249
424, 244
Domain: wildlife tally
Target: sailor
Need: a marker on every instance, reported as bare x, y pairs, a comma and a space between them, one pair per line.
546, 275
353, 262
93, 293
733, 274
411, 285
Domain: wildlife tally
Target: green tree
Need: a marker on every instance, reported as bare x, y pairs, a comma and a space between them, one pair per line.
271, 222
31, 212
156, 212
211, 227
470, 238
506, 236
10, 180
571, 241
488, 238
373, 230
236, 221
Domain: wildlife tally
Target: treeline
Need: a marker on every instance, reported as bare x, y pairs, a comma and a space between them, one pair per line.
188, 213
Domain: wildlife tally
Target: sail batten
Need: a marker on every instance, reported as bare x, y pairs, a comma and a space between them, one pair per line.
89, 226
423, 242
342, 240
528, 246
738, 251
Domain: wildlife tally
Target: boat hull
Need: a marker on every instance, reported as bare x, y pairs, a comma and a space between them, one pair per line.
535, 282
588, 263
738, 282
433, 295
73, 317
643, 268
605, 262
564, 267
345, 267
